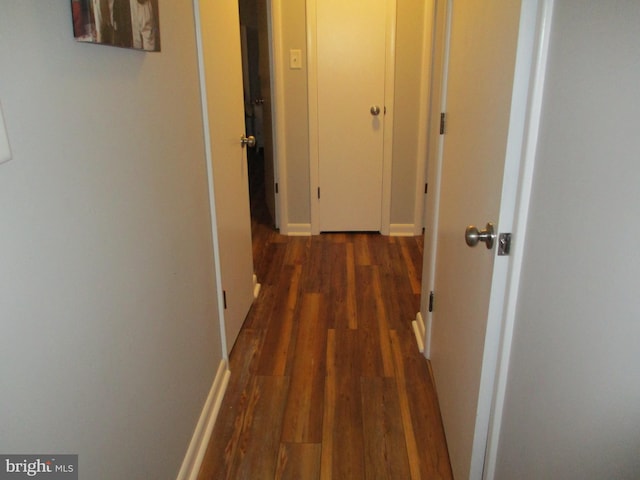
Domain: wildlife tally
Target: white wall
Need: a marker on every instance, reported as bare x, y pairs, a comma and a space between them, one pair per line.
296, 112
110, 338
573, 398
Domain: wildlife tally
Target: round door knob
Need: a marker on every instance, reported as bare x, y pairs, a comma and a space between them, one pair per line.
375, 110
249, 141
473, 236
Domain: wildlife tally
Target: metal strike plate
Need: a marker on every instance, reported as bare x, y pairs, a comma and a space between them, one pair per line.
504, 244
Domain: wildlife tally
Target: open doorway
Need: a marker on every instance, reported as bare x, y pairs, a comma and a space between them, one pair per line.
254, 30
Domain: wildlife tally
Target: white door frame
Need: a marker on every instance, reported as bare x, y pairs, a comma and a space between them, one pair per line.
441, 14
212, 197
276, 62
540, 15
531, 59
424, 115
275, 41
276, 59
312, 82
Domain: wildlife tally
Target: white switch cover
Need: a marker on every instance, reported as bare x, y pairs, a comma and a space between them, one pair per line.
5, 151
295, 59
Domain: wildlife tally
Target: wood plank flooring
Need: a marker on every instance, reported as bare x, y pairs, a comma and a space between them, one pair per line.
326, 378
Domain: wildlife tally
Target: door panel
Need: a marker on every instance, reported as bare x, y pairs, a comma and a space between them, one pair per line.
483, 41
351, 50
223, 77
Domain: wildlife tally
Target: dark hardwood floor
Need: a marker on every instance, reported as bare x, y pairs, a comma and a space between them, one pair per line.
326, 378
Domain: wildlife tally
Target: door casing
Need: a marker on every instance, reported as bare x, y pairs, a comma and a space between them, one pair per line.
314, 159
260, 121
276, 58
531, 56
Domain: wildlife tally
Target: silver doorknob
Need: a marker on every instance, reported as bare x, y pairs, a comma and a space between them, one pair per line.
375, 110
472, 236
249, 141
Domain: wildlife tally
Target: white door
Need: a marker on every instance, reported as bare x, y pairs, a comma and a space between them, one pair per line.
351, 53
483, 41
225, 107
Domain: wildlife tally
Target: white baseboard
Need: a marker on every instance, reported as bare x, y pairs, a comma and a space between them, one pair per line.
419, 331
298, 230
402, 230
256, 287
202, 434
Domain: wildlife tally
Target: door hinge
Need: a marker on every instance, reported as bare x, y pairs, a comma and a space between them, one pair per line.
318, 193
385, 110
504, 244
431, 301
224, 299
443, 120
426, 188
276, 187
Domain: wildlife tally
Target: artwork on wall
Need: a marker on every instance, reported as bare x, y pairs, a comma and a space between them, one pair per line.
120, 23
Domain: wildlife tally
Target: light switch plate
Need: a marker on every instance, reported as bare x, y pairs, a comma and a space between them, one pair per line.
295, 59
5, 151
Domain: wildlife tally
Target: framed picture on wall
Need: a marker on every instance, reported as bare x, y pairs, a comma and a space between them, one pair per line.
119, 23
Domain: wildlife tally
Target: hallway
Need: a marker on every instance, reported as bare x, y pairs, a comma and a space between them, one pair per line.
327, 381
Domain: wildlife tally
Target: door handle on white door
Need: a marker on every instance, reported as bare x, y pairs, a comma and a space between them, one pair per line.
249, 141
472, 236
375, 110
